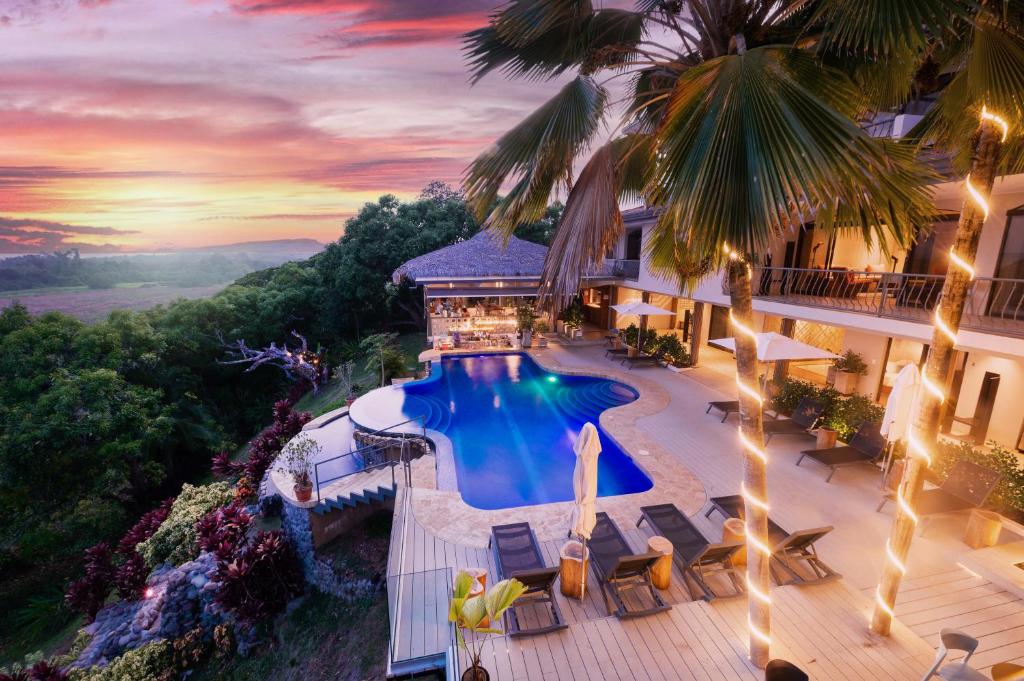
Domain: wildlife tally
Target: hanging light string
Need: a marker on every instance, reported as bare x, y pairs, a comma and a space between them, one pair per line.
915, 447
758, 542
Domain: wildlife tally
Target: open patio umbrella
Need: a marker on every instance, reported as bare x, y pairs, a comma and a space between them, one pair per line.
644, 310
899, 409
774, 347
584, 487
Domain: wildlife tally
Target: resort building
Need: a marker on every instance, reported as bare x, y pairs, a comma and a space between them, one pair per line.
840, 294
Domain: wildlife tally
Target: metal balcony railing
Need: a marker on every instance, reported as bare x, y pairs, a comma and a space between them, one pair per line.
992, 305
626, 269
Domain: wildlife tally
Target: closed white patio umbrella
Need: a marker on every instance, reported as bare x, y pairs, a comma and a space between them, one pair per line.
899, 410
584, 486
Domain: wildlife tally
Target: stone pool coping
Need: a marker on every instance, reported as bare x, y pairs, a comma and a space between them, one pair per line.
445, 515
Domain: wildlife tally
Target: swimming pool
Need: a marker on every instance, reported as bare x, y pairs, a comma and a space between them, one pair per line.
512, 426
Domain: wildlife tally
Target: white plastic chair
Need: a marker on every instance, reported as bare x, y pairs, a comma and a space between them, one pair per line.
953, 639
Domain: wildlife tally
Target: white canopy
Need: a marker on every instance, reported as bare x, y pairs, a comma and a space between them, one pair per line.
774, 347
900, 407
640, 308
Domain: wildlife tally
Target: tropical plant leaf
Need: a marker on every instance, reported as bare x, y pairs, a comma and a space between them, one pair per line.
463, 585
474, 610
501, 596
755, 143
886, 27
596, 39
538, 153
591, 222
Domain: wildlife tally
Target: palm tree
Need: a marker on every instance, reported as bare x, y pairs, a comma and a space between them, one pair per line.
969, 57
738, 122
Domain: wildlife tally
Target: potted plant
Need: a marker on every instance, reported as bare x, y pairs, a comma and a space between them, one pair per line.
826, 432
477, 614
541, 328
525, 320
572, 318
298, 462
345, 376
846, 372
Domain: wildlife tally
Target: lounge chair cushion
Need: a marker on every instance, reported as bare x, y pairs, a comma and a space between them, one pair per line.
515, 548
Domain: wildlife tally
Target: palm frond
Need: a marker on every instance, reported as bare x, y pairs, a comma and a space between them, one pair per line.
521, 22
591, 222
884, 27
755, 143
602, 39
536, 154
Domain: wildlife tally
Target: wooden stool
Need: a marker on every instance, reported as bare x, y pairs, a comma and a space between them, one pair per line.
1007, 671
572, 567
734, 530
661, 572
983, 529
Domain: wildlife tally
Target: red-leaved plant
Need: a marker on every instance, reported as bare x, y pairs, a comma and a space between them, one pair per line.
86, 595
144, 528
223, 531
261, 578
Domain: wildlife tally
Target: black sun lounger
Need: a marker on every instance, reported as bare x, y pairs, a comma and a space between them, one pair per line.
728, 407
616, 352
967, 486
644, 360
620, 570
789, 549
517, 556
866, 447
695, 556
803, 419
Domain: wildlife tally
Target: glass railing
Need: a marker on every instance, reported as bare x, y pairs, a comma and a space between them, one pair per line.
992, 305
421, 636
626, 269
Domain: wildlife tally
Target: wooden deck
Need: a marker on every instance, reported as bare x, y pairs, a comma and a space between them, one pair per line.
822, 628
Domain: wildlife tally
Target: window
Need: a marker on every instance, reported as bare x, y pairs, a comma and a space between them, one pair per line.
928, 255
1007, 297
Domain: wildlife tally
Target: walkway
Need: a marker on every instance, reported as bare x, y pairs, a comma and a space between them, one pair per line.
821, 628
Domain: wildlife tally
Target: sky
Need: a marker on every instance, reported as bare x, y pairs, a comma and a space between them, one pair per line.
141, 125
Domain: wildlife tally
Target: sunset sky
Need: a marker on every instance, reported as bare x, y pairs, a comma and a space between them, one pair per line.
150, 124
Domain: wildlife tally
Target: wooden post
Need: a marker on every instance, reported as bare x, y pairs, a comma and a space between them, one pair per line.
661, 573
572, 568
733, 530
948, 312
983, 529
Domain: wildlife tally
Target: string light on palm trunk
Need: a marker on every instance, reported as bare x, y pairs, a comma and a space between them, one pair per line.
915, 448
755, 540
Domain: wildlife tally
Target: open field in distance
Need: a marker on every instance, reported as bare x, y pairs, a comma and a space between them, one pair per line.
92, 305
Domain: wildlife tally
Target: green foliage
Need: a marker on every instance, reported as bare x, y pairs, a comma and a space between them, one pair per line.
383, 356
631, 335
1008, 496
525, 317
674, 350
176, 541
469, 612
152, 662
842, 415
851, 363
572, 315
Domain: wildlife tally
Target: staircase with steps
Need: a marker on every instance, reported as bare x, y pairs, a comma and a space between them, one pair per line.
364, 487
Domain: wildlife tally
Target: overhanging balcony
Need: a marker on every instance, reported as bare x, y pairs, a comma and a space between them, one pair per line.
626, 269
992, 305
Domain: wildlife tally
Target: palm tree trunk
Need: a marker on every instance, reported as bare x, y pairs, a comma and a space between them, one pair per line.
755, 478
925, 426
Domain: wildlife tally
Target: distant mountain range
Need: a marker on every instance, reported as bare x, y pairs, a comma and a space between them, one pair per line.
303, 247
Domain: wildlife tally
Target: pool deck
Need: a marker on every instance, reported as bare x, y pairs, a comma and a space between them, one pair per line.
821, 628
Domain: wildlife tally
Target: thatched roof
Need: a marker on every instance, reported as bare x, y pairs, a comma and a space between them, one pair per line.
484, 255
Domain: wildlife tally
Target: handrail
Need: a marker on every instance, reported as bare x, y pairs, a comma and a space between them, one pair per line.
993, 304
403, 459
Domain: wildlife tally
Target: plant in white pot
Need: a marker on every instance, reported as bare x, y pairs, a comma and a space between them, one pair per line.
846, 372
478, 614
298, 457
525, 320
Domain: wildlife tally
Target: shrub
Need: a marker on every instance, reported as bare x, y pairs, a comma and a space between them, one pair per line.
261, 579
851, 363
131, 577
87, 594
145, 527
674, 350
223, 531
44, 671
1008, 495
151, 662
175, 540
842, 415
631, 334
848, 414
222, 466
190, 650
789, 393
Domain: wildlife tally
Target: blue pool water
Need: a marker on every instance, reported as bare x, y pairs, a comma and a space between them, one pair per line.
512, 426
